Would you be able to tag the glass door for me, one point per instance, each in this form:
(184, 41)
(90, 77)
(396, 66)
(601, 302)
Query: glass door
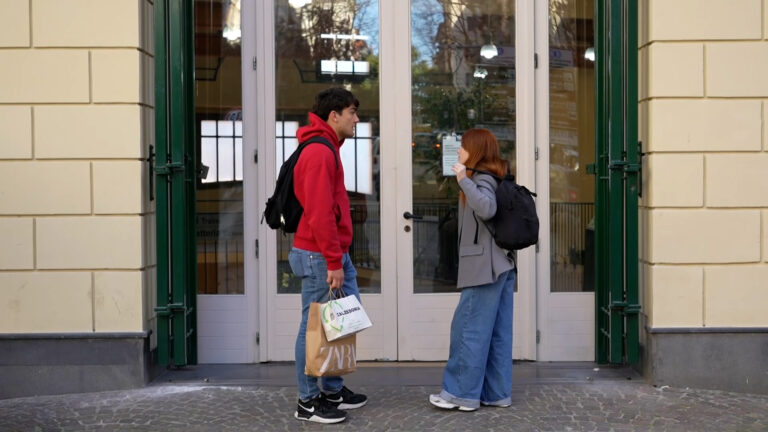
(567, 122)
(225, 305)
(463, 75)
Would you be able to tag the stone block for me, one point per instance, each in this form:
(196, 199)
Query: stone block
(704, 125)
(88, 132)
(86, 23)
(117, 75)
(704, 236)
(100, 242)
(676, 296)
(118, 301)
(737, 69)
(675, 180)
(117, 187)
(45, 187)
(705, 19)
(15, 132)
(736, 296)
(737, 180)
(16, 243)
(14, 23)
(676, 70)
(44, 76)
(46, 302)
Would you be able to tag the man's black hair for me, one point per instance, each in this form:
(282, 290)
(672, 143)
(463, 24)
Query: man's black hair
(333, 99)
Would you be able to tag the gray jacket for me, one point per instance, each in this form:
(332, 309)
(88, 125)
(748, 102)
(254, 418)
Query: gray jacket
(481, 261)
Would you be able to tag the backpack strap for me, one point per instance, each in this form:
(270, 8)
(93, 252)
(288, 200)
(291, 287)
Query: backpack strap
(321, 140)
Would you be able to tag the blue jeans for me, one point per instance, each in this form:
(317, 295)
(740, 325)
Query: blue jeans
(479, 367)
(313, 271)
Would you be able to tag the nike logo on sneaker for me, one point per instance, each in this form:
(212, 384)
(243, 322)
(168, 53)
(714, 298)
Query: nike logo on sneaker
(307, 409)
(334, 400)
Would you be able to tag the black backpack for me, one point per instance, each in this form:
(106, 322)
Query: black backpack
(515, 225)
(283, 209)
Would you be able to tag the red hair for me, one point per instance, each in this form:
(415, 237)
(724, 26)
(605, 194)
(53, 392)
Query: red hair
(484, 153)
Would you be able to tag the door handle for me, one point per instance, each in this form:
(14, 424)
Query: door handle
(409, 215)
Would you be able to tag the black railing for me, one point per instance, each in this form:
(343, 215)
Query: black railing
(572, 265)
(435, 247)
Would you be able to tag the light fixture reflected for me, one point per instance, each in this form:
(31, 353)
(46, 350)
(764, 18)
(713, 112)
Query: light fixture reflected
(298, 4)
(232, 34)
(231, 31)
(589, 54)
(480, 73)
(489, 51)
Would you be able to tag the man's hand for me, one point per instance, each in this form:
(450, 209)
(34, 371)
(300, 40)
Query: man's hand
(335, 278)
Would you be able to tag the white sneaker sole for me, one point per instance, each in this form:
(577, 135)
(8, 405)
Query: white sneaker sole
(444, 404)
(316, 419)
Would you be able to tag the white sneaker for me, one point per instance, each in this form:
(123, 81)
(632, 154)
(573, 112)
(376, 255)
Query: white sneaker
(439, 402)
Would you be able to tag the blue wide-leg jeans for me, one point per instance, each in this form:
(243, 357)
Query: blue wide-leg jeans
(479, 367)
(313, 271)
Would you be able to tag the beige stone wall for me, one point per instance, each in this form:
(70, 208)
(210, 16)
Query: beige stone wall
(76, 224)
(704, 113)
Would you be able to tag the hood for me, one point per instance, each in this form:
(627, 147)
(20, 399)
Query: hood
(318, 126)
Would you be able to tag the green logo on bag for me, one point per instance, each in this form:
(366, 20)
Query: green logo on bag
(328, 312)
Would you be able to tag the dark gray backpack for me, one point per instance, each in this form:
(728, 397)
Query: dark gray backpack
(515, 225)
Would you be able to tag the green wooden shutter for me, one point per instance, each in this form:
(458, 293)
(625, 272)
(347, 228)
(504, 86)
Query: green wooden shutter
(617, 169)
(175, 182)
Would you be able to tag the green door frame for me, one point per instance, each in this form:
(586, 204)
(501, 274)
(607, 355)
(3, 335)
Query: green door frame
(617, 168)
(174, 172)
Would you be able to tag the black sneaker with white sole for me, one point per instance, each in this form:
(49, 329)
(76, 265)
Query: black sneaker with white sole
(347, 399)
(319, 410)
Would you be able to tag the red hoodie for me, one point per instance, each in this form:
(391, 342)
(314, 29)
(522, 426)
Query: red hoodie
(326, 225)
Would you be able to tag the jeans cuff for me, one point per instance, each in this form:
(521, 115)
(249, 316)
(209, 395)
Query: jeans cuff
(501, 402)
(469, 403)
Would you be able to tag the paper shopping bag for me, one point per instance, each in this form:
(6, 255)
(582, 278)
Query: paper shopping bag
(343, 316)
(324, 358)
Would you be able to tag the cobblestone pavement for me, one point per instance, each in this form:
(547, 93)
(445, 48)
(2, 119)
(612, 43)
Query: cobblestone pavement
(590, 406)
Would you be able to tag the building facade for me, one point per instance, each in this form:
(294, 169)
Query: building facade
(139, 141)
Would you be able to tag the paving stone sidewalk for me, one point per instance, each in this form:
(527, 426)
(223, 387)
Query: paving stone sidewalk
(538, 405)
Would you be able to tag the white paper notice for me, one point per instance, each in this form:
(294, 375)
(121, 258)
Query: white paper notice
(450, 147)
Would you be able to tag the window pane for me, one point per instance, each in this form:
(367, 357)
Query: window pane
(322, 44)
(571, 145)
(219, 200)
(463, 73)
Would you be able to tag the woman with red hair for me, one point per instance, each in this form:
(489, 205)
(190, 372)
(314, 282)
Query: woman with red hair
(479, 368)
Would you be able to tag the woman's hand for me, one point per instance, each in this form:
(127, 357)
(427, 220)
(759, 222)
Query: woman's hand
(461, 171)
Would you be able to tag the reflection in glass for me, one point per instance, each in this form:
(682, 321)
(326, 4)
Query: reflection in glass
(321, 44)
(218, 115)
(572, 145)
(463, 73)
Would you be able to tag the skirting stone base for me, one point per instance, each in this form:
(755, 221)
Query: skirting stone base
(730, 359)
(49, 364)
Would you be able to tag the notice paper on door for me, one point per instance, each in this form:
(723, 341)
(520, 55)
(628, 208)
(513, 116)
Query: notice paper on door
(450, 147)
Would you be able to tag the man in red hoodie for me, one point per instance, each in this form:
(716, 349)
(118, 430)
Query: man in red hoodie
(320, 247)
